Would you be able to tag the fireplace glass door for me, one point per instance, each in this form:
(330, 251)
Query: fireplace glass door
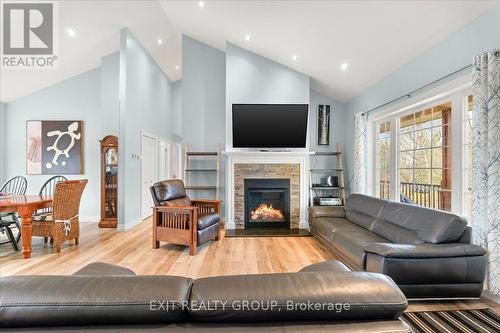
(267, 203)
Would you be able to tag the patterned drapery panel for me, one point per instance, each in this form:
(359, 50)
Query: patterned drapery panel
(486, 162)
(358, 179)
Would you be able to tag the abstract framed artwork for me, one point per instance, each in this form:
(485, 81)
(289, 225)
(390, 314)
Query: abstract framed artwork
(323, 125)
(54, 147)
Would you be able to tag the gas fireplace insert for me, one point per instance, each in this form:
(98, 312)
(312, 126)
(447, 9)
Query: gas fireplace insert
(267, 203)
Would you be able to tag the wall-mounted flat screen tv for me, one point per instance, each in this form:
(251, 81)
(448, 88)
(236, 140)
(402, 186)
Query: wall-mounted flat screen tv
(270, 125)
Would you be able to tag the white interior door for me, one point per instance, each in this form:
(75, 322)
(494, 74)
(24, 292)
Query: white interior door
(164, 157)
(148, 173)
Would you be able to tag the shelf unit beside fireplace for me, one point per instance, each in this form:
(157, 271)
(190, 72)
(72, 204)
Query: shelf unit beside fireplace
(336, 170)
(212, 157)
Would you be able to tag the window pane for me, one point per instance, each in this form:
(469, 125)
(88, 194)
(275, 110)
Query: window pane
(406, 175)
(406, 159)
(424, 156)
(423, 119)
(437, 157)
(407, 141)
(423, 138)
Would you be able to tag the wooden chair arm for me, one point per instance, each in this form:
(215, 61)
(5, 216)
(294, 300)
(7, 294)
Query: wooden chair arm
(207, 206)
(175, 209)
(206, 201)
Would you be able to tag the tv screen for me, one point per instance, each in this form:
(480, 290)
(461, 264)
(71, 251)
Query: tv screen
(269, 125)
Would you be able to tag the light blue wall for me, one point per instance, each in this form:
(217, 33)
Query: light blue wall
(77, 98)
(109, 91)
(3, 110)
(203, 108)
(254, 79)
(455, 52)
(337, 115)
(203, 95)
(176, 125)
(146, 106)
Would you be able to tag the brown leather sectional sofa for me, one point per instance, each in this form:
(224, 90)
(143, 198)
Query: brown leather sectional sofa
(324, 297)
(426, 252)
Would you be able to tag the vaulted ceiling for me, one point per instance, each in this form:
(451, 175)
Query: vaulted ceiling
(373, 37)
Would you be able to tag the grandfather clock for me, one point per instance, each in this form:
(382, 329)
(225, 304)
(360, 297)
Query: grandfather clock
(109, 182)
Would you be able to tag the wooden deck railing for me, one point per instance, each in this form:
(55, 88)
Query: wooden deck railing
(426, 195)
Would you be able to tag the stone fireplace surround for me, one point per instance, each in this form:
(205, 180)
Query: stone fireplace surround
(260, 165)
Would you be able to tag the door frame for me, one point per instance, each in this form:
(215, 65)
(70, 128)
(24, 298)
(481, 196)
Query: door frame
(155, 138)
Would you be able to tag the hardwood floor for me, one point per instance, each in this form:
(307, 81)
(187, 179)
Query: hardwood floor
(133, 249)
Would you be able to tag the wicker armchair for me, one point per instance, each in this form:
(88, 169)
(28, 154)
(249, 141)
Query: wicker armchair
(179, 220)
(63, 224)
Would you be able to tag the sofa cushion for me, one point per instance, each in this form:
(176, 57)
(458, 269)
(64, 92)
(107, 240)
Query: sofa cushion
(396, 233)
(352, 242)
(364, 210)
(322, 227)
(55, 300)
(282, 296)
(102, 268)
(169, 190)
(326, 266)
(207, 234)
(177, 202)
(432, 226)
(326, 211)
(207, 220)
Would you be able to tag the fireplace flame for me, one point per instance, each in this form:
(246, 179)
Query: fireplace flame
(266, 212)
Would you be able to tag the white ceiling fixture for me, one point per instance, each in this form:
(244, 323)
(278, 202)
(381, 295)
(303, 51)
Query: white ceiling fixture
(177, 67)
(344, 66)
(159, 41)
(294, 57)
(71, 32)
(247, 37)
(377, 36)
(201, 4)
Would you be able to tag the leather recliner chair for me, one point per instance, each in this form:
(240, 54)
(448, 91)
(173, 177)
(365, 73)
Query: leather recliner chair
(180, 220)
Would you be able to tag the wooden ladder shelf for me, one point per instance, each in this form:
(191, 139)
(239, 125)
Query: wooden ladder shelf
(189, 169)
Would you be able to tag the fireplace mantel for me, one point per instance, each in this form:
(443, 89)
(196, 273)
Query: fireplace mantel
(235, 157)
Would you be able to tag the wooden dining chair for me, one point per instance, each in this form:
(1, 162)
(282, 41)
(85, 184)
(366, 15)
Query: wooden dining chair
(64, 223)
(47, 189)
(15, 186)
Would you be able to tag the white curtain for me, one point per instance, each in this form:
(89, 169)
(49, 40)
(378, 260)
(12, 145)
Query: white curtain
(486, 163)
(359, 177)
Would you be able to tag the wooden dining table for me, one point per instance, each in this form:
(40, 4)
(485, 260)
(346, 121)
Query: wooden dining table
(25, 205)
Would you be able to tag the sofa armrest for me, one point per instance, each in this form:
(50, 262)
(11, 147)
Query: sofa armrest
(326, 211)
(423, 251)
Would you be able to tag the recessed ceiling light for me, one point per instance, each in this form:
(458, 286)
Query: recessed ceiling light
(247, 37)
(294, 57)
(176, 67)
(71, 32)
(344, 66)
(201, 4)
(159, 41)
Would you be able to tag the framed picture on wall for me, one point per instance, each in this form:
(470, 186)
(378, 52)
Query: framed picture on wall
(323, 125)
(54, 147)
